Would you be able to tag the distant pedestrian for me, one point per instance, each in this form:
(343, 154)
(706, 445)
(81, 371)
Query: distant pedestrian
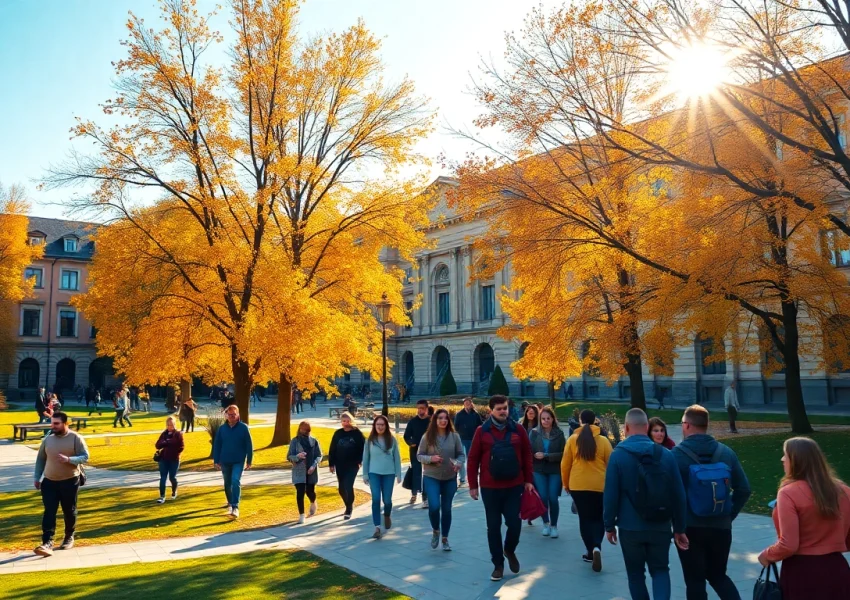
(643, 497)
(133, 393)
(660, 393)
(297, 401)
(381, 469)
(416, 428)
(513, 412)
(233, 453)
(467, 420)
(547, 450)
(121, 406)
(499, 469)
(568, 393)
(730, 401)
(344, 457)
(305, 454)
(41, 405)
(441, 453)
(312, 398)
(812, 521)
(58, 461)
(187, 415)
(658, 433)
(169, 448)
(95, 406)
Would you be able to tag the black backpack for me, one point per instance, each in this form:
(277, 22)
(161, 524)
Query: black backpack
(504, 464)
(654, 495)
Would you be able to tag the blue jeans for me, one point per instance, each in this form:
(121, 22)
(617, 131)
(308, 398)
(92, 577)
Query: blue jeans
(381, 486)
(466, 446)
(650, 549)
(232, 474)
(440, 493)
(168, 469)
(549, 487)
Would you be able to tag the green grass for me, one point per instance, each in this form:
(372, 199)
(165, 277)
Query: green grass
(96, 423)
(261, 574)
(134, 452)
(118, 515)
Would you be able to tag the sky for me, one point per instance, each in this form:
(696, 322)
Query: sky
(55, 65)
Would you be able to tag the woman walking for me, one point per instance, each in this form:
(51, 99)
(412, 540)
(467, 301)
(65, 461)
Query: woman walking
(344, 457)
(187, 415)
(812, 520)
(658, 433)
(547, 449)
(305, 454)
(530, 418)
(583, 473)
(381, 468)
(441, 455)
(169, 446)
(119, 403)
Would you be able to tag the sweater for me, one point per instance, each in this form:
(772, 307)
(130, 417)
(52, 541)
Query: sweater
(479, 456)
(467, 422)
(170, 445)
(233, 445)
(449, 447)
(47, 462)
(549, 464)
(414, 431)
(801, 530)
(299, 465)
(380, 461)
(346, 451)
(585, 476)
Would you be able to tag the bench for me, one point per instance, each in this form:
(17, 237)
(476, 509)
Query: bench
(367, 414)
(336, 412)
(20, 430)
(79, 422)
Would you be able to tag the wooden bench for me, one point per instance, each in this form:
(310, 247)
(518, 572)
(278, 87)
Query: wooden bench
(367, 414)
(336, 412)
(79, 422)
(20, 430)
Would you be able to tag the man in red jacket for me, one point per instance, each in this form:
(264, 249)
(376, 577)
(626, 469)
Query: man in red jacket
(502, 452)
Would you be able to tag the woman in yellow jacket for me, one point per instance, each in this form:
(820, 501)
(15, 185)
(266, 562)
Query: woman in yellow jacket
(583, 473)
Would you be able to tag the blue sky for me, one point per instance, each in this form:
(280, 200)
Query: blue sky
(55, 64)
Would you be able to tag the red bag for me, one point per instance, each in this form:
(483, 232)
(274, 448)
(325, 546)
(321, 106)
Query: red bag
(531, 506)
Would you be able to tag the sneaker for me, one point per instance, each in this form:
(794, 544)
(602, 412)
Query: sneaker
(413, 500)
(545, 530)
(553, 532)
(67, 543)
(229, 510)
(300, 519)
(46, 549)
(496, 575)
(530, 523)
(346, 517)
(424, 504)
(314, 506)
(513, 561)
(161, 500)
(377, 535)
(235, 513)
(174, 495)
(446, 547)
(597, 560)
(587, 558)
(388, 522)
(435, 540)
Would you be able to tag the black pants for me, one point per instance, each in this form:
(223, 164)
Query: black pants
(346, 476)
(590, 524)
(55, 494)
(499, 503)
(187, 423)
(705, 560)
(733, 415)
(300, 490)
(416, 469)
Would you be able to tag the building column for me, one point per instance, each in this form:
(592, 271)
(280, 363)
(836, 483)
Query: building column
(457, 290)
(499, 279)
(425, 290)
(465, 287)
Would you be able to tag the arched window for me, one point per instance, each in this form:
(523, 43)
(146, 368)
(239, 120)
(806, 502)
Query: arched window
(442, 290)
(485, 362)
(66, 374)
(28, 372)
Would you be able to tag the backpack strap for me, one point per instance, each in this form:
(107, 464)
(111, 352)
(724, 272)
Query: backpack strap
(656, 453)
(715, 458)
(689, 454)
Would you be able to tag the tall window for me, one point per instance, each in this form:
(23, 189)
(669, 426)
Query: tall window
(488, 302)
(67, 323)
(443, 307)
(837, 248)
(70, 280)
(35, 273)
(408, 310)
(93, 332)
(711, 353)
(70, 245)
(31, 321)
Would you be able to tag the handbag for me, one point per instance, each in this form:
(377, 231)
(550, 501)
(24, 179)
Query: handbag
(82, 476)
(408, 480)
(765, 589)
(531, 506)
(157, 456)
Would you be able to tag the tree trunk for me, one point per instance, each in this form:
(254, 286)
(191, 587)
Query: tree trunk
(282, 420)
(242, 382)
(186, 389)
(793, 382)
(635, 372)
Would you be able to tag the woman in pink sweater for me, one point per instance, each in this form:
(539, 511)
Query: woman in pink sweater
(812, 520)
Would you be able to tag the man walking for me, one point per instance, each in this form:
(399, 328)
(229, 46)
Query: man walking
(466, 422)
(40, 403)
(233, 452)
(643, 495)
(416, 428)
(730, 400)
(58, 462)
(499, 468)
(709, 522)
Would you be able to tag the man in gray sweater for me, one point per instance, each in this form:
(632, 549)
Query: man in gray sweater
(58, 462)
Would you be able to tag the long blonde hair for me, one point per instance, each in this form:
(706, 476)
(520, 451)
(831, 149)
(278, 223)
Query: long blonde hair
(808, 463)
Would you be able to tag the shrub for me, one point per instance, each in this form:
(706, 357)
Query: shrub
(448, 387)
(407, 413)
(498, 383)
(3, 404)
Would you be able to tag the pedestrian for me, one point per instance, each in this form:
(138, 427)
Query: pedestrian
(134, 399)
(233, 453)
(498, 469)
(547, 449)
(513, 413)
(658, 433)
(467, 420)
(95, 407)
(441, 454)
(119, 403)
(41, 405)
(730, 401)
(530, 418)
(59, 461)
(187, 415)
(643, 497)
(169, 447)
(344, 457)
(416, 428)
(660, 393)
(717, 489)
(569, 393)
(305, 454)
(89, 395)
(297, 401)
(812, 521)
(381, 468)
(312, 399)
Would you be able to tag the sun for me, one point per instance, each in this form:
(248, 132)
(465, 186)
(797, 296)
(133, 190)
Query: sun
(696, 71)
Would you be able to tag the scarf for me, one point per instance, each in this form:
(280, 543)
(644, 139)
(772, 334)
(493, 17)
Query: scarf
(306, 446)
(500, 426)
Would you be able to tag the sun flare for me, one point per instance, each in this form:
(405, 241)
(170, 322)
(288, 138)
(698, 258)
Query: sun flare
(697, 70)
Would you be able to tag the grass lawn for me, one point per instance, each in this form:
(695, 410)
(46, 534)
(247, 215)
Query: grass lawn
(134, 452)
(261, 574)
(118, 515)
(761, 454)
(96, 424)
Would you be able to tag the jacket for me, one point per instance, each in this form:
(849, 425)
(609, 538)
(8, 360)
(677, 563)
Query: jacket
(448, 447)
(299, 465)
(346, 451)
(233, 445)
(380, 461)
(730, 399)
(549, 464)
(415, 429)
(581, 475)
(703, 446)
(479, 456)
(621, 478)
(170, 445)
(467, 422)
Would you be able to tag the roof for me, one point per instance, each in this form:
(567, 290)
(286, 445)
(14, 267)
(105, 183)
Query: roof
(55, 230)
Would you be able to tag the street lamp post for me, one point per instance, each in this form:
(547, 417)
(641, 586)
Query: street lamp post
(384, 318)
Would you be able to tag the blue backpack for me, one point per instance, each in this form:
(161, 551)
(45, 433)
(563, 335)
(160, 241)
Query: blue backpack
(709, 489)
